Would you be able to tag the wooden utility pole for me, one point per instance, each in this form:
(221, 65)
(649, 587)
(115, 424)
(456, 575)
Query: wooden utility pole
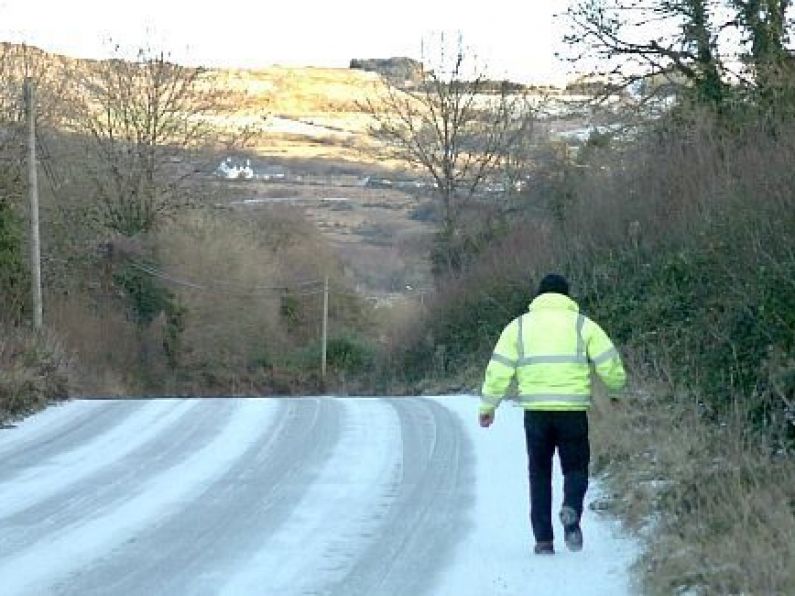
(325, 330)
(33, 192)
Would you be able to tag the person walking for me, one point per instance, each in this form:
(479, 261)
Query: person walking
(550, 351)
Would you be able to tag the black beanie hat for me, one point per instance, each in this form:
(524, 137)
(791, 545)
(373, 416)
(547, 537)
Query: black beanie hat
(553, 282)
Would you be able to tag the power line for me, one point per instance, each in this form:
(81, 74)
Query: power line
(297, 289)
(154, 272)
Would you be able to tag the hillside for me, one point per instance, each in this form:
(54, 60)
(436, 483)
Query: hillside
(314, 153)
(296, 91)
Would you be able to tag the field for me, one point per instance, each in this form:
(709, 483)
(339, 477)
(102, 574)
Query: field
(373, 229)
(313, 151)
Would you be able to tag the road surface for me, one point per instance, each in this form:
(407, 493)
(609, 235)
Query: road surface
(291, 497)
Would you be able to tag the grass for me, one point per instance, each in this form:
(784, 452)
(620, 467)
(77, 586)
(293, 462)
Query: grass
(714, 507)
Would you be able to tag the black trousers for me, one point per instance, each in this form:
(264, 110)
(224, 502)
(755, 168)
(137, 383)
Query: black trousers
(546, 431)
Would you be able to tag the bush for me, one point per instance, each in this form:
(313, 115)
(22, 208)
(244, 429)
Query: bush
(350, 360)
(146, 295)
(349, 355)
(14, 278)
(33, 373)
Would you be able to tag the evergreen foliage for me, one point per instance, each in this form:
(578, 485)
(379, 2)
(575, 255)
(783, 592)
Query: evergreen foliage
(14, 277)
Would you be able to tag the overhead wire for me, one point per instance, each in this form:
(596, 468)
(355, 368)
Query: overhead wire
(302, 288)
(297, 289)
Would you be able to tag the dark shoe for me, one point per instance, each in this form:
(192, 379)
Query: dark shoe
(572, 534)
(544, 548)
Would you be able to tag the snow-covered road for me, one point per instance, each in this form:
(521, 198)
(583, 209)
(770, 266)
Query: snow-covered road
(290, 497)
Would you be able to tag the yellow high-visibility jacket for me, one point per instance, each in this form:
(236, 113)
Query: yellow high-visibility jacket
(550, 350)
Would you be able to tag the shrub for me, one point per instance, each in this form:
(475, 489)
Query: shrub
(33, 373)
(349, 355)
(14, 278)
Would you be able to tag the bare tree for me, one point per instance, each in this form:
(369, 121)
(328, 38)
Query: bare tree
(19, 62)
(697, 45)
(639, 40)
(143, 119)
(457, 127)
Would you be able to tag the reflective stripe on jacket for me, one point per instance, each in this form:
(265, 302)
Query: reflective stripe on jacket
(550, 350)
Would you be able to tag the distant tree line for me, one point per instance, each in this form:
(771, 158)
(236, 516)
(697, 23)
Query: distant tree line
(398, 71)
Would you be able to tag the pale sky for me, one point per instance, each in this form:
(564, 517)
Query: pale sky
(514, 38)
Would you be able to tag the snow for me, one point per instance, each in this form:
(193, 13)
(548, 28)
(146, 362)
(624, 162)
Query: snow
(323, 495)
(495, 558)
(37, 483)
(277, 124)
(269, 200)
(30, 571)
(351, 483)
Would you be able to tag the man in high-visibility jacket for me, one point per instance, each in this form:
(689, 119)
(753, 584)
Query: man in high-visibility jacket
(550, 350)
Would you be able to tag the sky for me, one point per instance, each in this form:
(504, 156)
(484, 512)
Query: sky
(515, 39)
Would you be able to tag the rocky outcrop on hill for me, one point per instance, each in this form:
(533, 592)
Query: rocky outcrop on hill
(398, 71)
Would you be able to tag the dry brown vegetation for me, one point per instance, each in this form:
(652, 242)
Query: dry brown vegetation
(235, 325)
(700, 458)
(206, 312)
(328, 99)
(34, 371)
(296, 91)
(711, 503)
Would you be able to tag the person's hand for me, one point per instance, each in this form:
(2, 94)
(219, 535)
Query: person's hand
(486, 419)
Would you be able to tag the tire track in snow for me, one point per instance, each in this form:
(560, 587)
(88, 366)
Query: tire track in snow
(339, 514)
(37, 570)
(195, 550)
(183, 432)
(429, 510)
(62, 428)
(296, 497)
(22, 487)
